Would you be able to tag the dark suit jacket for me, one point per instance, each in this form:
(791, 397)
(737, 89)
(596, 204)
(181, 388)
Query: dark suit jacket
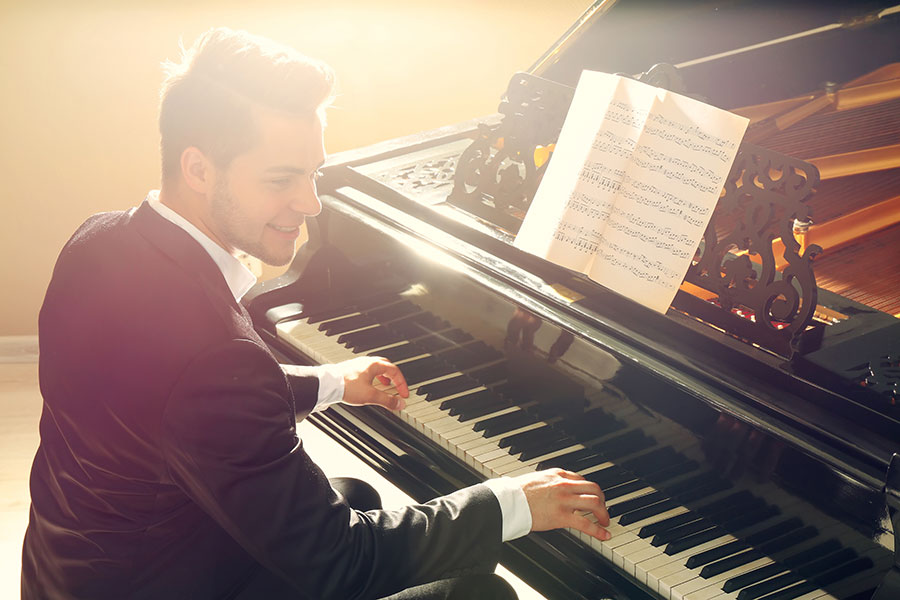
(169, 464)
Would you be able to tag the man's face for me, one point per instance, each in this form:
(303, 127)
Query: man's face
(261, 199)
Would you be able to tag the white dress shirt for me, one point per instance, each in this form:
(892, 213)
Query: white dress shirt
(513, 504)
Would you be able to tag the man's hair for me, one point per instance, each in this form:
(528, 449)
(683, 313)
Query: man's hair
(207, 99)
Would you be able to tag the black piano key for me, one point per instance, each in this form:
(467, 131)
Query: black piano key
(474, 412)
(532, 434)
(810, 554)
(714, 554)
(423, 369)
(648, 511)
(620, 490)
(731, 562)
(446, 387)
(369, 339)
(694, 540)
(345, 324)
(826, 563)
(610, 477)
(547, 448)
(782, 581)
(676, 470)
(472, 398)
(476, 407)
(666, 524)
(775, 531)
(402, 352)
(635, 503)
(682, 531)
(825, 548)
(329, 312)
(796, 536)
(831, 577)
(502, 423)
(786, 541)
(767, 587)
(754, 576)
(577, 460)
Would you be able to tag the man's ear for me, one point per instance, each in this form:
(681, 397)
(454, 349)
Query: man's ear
(198, 170)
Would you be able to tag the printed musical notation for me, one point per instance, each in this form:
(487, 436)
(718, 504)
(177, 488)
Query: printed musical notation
(641, 170)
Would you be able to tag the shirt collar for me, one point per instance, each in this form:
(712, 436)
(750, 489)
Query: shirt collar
(238, 277)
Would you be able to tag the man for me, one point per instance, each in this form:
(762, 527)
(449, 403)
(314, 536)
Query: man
(169, 464)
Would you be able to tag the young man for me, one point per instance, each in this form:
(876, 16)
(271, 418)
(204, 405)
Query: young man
(169, 464)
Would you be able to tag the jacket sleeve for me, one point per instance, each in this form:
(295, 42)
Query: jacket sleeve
(230, 443)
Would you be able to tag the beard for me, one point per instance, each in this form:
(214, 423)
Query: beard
(238, 229)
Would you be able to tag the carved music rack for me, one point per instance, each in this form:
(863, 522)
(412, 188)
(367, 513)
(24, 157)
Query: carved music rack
(763, 202)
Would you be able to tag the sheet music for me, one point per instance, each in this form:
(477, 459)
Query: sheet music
(639, 185)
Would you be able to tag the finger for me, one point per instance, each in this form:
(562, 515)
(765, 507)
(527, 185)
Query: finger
(588, 503)
(587, 525)
(583, 487)
(392, 372)
(569, 475)
(390, 401)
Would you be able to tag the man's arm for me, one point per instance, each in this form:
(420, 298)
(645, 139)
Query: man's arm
(230, 443)
(533, 502)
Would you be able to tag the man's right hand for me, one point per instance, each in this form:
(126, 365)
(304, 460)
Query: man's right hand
(559, 498)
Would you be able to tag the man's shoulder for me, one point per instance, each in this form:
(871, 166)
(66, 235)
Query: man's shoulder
(116, 272)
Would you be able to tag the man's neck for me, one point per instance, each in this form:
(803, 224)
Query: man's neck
(185, 203)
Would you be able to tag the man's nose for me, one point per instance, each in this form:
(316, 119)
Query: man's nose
(306, 201)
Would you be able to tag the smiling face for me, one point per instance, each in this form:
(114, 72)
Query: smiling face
(260, 200)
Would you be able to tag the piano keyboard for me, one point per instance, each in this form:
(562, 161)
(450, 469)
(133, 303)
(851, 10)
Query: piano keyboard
(678, 528)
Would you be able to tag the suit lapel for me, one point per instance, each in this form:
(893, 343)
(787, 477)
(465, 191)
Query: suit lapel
(188, 255)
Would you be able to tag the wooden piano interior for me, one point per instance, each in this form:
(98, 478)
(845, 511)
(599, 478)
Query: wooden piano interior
(852, 134)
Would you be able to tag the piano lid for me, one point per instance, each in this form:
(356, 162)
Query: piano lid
(733, 53)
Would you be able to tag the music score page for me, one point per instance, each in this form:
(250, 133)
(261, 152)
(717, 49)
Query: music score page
(631, 186)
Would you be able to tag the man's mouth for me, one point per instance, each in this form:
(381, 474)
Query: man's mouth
(282, 229)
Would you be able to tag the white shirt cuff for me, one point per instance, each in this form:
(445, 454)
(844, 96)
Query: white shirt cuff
(331, 387)
(331, 384)
(514, 508)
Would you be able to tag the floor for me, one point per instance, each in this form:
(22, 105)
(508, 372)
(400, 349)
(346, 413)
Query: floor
(20, 406)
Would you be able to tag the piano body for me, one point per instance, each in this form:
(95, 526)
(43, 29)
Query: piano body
(742, 456)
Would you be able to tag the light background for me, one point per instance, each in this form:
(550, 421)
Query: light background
(80, 85)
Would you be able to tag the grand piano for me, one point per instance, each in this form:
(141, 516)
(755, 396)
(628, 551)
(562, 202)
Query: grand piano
(746, 442)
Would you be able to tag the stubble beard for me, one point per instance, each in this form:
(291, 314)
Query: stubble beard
(227, 215)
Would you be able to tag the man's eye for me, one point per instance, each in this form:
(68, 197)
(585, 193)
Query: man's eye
(280, 184)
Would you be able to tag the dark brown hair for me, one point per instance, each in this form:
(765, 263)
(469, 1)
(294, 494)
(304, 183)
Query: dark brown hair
(206, 100)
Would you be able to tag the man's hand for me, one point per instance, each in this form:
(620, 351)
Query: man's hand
(559, 498)
(373, 380)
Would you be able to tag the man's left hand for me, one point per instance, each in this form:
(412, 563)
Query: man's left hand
(373, 380)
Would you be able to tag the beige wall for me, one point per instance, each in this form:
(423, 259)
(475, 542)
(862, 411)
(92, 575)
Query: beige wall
(80, 81)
